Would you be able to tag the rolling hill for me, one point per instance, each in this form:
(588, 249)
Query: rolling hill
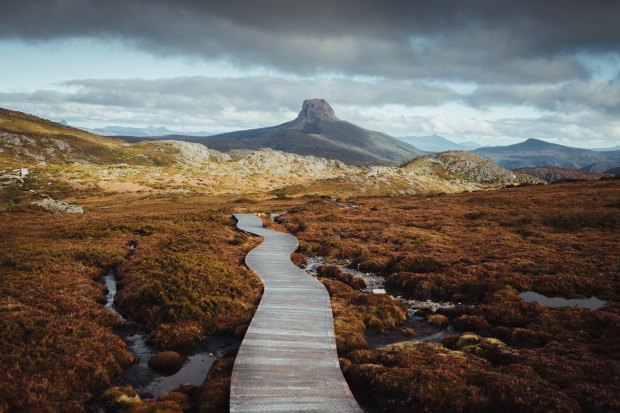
(535, 152)
(27, 140)
(318, 132)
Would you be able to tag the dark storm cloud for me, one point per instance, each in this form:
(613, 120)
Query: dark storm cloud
(485, 41)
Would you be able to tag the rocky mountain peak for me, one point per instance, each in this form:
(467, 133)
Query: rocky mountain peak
(316, 109)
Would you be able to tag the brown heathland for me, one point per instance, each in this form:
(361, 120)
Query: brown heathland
(482, 249)
(185, 281)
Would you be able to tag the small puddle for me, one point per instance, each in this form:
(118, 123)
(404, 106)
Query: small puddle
(591, 303)
(148, 382)
(422, 331)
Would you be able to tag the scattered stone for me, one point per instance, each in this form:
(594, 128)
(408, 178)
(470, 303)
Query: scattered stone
(166, 362)
(56, 206)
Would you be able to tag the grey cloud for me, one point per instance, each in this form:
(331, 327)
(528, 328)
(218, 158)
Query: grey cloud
(263, 93)
(228, 102)
(486, 41)
(203, 103)
(574, 96)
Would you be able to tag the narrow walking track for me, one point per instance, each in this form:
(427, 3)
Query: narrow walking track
(288, 360)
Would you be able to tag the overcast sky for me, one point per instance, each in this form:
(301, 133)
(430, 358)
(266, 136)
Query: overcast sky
(494, 71)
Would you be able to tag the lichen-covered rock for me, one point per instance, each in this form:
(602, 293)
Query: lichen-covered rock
(57, 206)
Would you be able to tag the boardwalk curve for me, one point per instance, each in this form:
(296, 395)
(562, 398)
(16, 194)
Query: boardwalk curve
(287, 361)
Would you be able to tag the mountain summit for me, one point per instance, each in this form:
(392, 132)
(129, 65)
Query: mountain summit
(316, 109)
(317, 131)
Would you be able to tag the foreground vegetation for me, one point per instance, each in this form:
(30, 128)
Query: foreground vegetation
(480, 249)
(185, 281)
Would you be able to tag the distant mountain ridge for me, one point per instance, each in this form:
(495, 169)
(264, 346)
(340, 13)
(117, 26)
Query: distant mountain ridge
(317, 131)
(150, 131)
(436, 143)
(535, 152)
(556, 173)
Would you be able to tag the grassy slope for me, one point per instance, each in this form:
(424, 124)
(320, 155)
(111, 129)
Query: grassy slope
(18, 122)
(84, 146)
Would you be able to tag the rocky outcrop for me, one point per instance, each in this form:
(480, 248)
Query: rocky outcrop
(276, 162)
(465, 167)
(474, 168)
(56, 206)
(313, 110)
(188, 153)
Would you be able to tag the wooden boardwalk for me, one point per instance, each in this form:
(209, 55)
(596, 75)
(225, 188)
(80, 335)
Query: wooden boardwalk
(287, 361)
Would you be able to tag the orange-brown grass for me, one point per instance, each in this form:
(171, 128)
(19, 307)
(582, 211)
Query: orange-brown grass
(483, 248)
(356, 312)
(185, 280)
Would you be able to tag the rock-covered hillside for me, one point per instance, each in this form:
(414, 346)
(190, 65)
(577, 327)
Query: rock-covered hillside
(80, 161)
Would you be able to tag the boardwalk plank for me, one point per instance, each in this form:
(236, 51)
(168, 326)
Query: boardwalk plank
(288, 360)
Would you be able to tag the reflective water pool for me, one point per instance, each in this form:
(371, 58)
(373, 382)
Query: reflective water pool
(591, 303)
